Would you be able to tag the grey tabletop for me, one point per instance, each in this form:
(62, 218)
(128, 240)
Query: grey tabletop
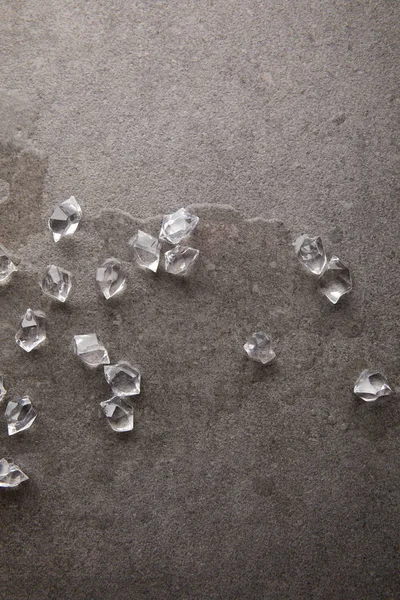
(239, 481)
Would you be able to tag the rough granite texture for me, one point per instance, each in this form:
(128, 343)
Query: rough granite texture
(239, 482)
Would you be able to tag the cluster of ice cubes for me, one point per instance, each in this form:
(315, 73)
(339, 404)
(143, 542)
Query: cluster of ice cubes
(178, 259)
(123, 378)
(334, 281)
(334, 278)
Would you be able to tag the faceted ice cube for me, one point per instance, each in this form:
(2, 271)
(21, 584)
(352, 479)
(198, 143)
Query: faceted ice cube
(20, 415)
(91, 350)
(65, 218)
(7, 266)
(371, 385)
(32, 330)
(311, 253)
(57, 283)
(177, 226)
(123, 378)
(119, 414)
(146, 249)
(110, 277)
(10, 475)
(259, 347)
(180, 260)
(335, 280)
(3, 390)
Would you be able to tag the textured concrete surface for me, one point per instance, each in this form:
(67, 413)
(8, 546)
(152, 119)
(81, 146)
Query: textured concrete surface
(238, 482)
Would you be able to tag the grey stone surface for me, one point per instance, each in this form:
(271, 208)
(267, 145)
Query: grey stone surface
(239, 481)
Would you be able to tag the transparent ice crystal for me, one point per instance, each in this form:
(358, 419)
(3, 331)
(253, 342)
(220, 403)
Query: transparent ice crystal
(371, 385)
(311, 253)
(180, 260)
(10, 475)
(110, 277)
(119, 414)
(91, 350)
(146, 249)
(259, 347)
(7, 266)
(65, 218)
(20, 415)
(335, 280)
(123, 379)
(3, 390)
(32, 330)
(57, 283)
(177, 226)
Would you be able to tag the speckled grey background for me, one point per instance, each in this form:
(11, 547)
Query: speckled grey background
(238, 482)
